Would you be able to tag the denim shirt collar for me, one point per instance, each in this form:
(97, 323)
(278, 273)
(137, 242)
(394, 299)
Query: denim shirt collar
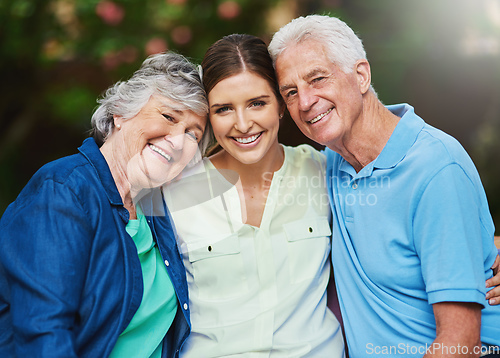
(90, 150)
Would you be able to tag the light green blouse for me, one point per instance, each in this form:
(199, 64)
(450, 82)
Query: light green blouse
(144, 335)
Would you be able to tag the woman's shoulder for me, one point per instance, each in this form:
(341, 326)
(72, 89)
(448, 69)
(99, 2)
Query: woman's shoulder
(72, 171)
(62, 168)
(64, 175)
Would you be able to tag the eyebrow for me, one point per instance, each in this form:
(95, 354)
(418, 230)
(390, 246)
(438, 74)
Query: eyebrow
(264, 96)
(285, 87)
(196, 125)
(202, 130)
(314, 72)
(176, 110)
(219, 105)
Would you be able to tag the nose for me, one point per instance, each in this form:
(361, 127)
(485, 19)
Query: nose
(306, 99)
(242, 124)
(176, 140)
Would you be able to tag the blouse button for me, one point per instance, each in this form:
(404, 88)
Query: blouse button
(210, 248)
(185, 306)
(167, 263)
(355, 186)
(310, 229)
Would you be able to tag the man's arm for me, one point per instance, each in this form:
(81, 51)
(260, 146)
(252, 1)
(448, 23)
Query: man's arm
(451, 225)
(458, 327)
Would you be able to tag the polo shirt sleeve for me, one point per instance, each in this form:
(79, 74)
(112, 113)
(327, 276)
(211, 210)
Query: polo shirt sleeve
(447, 237)
(44, 241)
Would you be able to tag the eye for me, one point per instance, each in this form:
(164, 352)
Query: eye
(258, 104)
(290, 93)
(221, 110)
(318, 79)
(169, 118)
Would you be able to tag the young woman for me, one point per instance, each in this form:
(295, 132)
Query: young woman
(253, 222)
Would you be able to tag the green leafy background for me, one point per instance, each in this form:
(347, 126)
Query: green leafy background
(57, 57)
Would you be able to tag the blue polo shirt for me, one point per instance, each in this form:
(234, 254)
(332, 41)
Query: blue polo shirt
(411, 229)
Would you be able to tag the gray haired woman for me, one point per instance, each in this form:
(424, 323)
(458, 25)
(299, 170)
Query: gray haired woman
(89, 266)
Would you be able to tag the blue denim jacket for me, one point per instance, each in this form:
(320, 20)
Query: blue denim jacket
(70, 276)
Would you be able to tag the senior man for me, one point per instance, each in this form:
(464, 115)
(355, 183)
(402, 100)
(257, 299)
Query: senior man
(412, 232)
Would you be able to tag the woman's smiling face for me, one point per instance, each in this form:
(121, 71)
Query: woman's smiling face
(159, 141)
(244, 113)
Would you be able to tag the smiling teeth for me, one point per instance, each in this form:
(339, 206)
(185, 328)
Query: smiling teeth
(161, 152)
(247, 139)
(317, 118)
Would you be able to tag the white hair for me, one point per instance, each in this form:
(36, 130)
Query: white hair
(167, 74)
(344, 47)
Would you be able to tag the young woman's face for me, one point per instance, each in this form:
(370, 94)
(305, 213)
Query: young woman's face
(244, 113)
(159, 141)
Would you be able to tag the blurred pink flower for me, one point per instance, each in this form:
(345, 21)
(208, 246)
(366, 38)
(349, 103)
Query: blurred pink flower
(110, 12)
(228, 10)
(181, 35)
(113, 59)
(155, 45)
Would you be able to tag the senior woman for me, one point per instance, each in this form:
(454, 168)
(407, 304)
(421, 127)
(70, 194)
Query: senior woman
(89, 265)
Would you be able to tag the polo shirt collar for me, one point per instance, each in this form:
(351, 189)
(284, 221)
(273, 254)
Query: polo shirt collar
(91, 151)
(402, 138)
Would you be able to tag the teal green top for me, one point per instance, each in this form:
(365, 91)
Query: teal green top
(144, 335)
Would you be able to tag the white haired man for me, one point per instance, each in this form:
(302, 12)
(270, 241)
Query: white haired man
(412, 232)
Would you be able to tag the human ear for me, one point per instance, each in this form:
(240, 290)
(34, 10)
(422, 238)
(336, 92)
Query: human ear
(364, 76)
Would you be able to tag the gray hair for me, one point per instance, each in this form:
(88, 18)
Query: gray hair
(344, 47)
(167, 74)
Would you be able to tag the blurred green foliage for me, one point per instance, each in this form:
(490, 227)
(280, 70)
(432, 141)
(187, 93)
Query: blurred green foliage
(58, 56)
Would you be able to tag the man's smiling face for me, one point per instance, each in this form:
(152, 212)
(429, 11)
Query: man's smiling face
(323, 100)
